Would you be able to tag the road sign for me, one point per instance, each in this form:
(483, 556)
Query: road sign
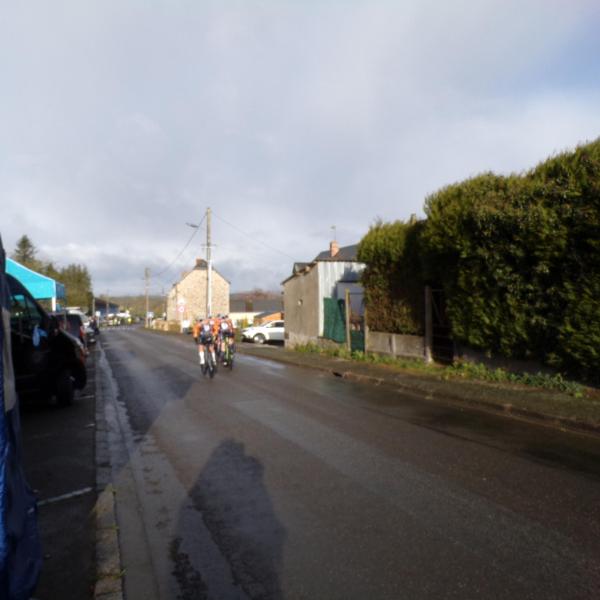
(180, 308)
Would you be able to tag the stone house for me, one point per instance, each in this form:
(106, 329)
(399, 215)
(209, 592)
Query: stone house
(328, 275)
(186, 300)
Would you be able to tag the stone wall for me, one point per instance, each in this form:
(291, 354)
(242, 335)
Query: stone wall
(393, 344)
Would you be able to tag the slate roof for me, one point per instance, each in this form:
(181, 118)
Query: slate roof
(345, 254)
(201, 265)
(299, 266)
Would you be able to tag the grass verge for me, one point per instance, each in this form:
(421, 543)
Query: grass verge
(459, 370)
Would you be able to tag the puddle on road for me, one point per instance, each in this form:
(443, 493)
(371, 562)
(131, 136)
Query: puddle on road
(264, 364)
(551, 446)
(559, 448)
(566, 457)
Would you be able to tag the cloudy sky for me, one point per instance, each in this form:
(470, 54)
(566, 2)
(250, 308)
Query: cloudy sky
(121, 120)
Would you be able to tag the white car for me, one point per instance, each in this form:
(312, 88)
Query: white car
(269, 332)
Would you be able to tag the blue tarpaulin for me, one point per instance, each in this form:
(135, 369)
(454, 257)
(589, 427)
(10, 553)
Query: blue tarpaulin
(39, 286)
(20, 552)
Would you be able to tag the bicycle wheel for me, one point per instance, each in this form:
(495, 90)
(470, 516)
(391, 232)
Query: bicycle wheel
(206, 365)
(212, 365)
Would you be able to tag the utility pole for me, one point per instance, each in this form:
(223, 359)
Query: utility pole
(347, 317)
(208, 265)
(147, 285)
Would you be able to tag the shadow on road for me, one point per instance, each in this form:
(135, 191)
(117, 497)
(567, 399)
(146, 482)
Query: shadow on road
(231, 496)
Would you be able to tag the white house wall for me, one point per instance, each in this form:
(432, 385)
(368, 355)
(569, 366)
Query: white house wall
(330, 274)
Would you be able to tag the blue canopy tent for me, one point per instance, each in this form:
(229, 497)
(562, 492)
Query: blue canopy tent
(40, 286)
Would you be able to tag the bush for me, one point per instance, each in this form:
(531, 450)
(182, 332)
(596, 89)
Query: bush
(519, 260)
(517, 256)
(392, 278)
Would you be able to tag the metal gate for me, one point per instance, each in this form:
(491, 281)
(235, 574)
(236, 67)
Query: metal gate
(442, 342)
(334, 326)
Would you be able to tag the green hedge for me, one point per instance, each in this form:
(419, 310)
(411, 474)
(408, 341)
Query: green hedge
(392, 278)
(517, 256)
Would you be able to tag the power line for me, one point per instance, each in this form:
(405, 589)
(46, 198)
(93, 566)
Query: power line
(253, 238)
(196, 229)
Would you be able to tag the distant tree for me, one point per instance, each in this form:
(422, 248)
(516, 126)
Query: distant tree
(25, 253)
(78, 285)
(50, 270)
(75, 277)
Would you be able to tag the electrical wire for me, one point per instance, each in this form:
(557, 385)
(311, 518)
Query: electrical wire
(196, 230)
(253, 238)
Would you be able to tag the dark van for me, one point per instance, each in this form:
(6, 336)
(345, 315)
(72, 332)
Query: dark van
(47, 361)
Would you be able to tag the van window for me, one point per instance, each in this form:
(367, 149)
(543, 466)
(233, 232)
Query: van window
(24, 314)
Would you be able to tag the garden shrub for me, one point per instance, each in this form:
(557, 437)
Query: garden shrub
(517, 256)
(392, 278)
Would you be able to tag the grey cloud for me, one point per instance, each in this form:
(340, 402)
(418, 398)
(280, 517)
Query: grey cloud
(121, 122)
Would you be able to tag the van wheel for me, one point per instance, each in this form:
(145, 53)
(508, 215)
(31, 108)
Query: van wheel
(65, 391)
(259, 338)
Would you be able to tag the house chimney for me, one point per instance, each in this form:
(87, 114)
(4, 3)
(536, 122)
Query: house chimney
(333, 248)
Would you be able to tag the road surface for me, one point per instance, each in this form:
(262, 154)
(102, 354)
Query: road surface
(276, 482)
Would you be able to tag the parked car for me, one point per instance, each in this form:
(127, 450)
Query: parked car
(269, 332)
(48, 361)
(76, 327)
(72, 324)
(86, 322)
(90, 333)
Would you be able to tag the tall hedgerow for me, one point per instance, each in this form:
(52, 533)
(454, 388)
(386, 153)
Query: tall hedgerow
(393, 277)
(572, 188)
(518, 258)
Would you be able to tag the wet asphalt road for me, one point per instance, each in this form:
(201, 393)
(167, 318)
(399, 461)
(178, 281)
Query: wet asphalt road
(278, 482)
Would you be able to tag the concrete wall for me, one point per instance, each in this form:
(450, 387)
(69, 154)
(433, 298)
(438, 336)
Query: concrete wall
(393, 344)
(301, 308)
(498, 362)
(192, 289)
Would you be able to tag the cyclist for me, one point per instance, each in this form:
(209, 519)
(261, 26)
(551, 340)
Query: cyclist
(205, 338)
(226, 335)
(196, 329)
(215, 323)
